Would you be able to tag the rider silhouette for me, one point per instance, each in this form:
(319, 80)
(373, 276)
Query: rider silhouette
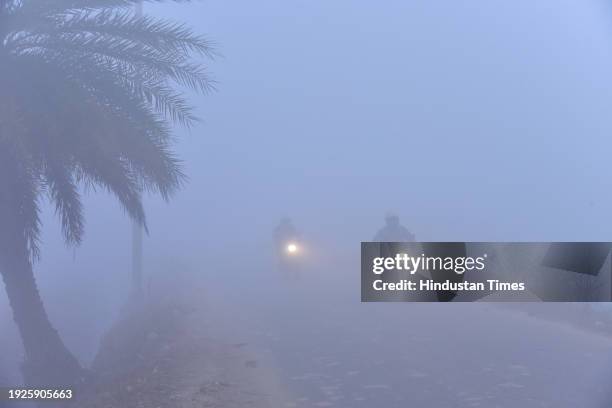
(286, 240)
(393, 231)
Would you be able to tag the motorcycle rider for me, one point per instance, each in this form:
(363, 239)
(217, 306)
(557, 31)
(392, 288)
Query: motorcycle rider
(394, 238)
(393, 231)
(286, 241)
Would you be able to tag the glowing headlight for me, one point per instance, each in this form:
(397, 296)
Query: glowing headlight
(292, 248)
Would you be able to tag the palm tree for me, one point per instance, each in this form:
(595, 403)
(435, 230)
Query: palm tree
(89, 92)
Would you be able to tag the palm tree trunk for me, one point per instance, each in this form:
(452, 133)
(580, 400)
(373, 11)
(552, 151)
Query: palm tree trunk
(136, 292)
(47, 360)
(136, 261)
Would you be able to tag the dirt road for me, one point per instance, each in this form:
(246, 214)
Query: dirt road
(332, 351)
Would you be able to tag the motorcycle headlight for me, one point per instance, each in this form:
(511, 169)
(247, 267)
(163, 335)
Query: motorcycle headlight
(292, 248)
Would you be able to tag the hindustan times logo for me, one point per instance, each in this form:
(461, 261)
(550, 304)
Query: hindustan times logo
(413, 264)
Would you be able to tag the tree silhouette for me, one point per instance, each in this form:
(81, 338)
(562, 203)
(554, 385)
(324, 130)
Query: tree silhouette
(89, 94)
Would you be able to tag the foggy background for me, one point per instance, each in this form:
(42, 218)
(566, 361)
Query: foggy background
(474, 120)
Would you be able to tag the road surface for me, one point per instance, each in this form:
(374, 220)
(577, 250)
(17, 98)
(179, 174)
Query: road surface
(330, 350)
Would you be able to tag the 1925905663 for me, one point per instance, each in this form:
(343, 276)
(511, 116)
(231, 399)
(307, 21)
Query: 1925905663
(36, 394)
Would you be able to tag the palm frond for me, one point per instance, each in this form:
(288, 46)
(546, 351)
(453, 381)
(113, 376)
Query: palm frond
(96, 169)
(98, 89)
(113, 121)
(19, 207)
(50, 7)
(63, 191)
(159, 34)
(120, 54)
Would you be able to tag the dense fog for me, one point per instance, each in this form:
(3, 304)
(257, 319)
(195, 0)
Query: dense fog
(473, 121)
